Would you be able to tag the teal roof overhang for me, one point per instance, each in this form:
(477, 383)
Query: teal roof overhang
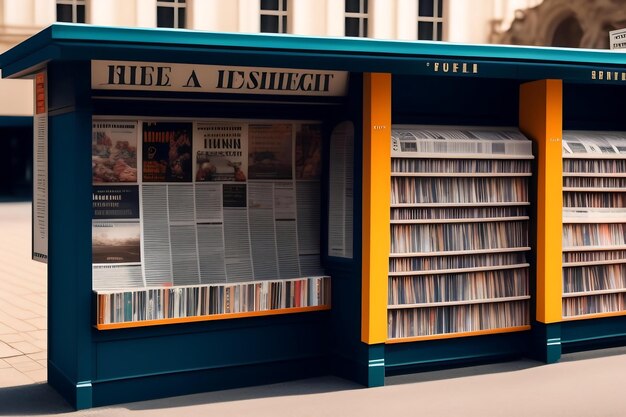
(67, 42)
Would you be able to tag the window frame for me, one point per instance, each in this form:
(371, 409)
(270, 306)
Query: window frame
(176, 5)
(74, 4)
(435, 19)
(362, 15)
(281, 13)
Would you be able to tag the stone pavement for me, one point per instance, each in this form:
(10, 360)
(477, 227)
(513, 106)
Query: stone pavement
(22, 301)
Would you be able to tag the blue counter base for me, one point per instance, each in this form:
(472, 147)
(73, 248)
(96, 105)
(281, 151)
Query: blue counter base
(367, 367)
(438, 354)
(78, 395)
(99, 393)
(590, 334)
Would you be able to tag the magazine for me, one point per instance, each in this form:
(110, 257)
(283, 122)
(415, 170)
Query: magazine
(167, 152)
(114, 152)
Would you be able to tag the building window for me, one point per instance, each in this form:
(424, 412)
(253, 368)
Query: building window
(430, 20)
(356, 18)
(171, 14)
(274, 16)
(71, 11)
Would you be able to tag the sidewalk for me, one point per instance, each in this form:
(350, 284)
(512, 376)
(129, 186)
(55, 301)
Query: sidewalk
(581, 385)
(22, 301)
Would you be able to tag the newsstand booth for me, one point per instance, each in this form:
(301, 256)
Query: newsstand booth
(221, 210)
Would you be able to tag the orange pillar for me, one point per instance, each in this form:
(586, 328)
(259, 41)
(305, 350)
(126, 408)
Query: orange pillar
(376, 205)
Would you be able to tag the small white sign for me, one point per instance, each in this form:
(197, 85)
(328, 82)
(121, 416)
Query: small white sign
(152, 76)
(617, 39)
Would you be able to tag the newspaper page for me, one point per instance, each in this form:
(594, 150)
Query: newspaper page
(340, 211)
(116, 237)
(308, 156)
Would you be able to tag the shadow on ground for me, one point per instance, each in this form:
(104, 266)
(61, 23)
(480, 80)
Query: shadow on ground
(436, 375)
(300, 387)
(31, 400)
(593, 354)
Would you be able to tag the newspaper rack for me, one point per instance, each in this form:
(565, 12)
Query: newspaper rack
(194, 189)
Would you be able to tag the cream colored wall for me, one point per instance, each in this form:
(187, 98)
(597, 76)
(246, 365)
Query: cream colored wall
(249, 21)
(144, 19)
(113, 12)
(393, 19)
(468, 21)
(16, 97)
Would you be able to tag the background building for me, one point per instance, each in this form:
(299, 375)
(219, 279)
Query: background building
(575, 23)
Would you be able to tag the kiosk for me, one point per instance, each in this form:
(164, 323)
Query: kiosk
(219, 210)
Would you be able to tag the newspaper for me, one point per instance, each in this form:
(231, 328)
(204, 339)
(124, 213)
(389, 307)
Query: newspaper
(212, 202)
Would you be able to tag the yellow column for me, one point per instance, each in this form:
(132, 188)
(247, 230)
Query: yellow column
(540, 118)
(376, 205)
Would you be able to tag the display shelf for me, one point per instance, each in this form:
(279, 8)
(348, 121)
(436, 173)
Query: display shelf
(594, 156)
(594, 174)
(458, 270)
(590, 263)
(593, 292)
(458, 303)
(460, 174)
(159, 305)
(594, 316)
(595, 189)
(459, 252)
(458, 334)
(593, 163)
(466, 156)
(495, 204)
(591, 220)
(592, 248)
(160, 322)
(474, 220)
(448, 186)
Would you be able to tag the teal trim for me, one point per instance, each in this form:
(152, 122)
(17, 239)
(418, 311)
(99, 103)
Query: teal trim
(158, 43)
(545, 343)
(170, 37)
(84, 397)
(376, 366)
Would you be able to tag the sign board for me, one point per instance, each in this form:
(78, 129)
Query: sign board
(40, 171)
(151, 76)
(617, 39)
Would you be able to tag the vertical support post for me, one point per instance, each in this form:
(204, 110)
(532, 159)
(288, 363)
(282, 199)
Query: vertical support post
(376, 202)
(541, 118)
(70, 307)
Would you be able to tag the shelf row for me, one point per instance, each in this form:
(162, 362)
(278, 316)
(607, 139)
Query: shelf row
(459, 232)
(192, 302)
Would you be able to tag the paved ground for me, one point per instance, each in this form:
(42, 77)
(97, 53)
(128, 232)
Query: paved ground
(585, 384)
(22, 301)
